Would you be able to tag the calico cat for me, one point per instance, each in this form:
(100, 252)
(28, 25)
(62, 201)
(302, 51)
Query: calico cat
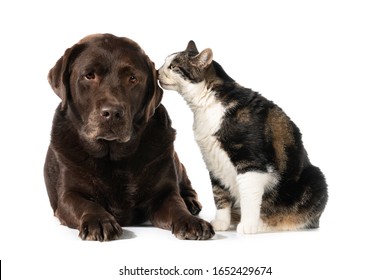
(259, 169)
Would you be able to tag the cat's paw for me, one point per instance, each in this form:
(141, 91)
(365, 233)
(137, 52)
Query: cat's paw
(248, 228)
(220, 225)
(251, 228)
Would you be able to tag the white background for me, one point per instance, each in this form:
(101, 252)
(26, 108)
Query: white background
(326, 63)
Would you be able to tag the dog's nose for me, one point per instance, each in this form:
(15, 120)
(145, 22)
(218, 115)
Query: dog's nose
(112, 112)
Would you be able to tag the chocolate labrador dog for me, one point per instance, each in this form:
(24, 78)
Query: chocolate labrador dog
(111, 161)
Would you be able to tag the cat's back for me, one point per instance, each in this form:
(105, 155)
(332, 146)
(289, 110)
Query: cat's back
(244, 107)
(231, 94)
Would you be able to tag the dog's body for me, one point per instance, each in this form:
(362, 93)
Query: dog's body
(111, 160)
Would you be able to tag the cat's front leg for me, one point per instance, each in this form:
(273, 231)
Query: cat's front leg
(222, 219)
(223, 202)
(251, 186)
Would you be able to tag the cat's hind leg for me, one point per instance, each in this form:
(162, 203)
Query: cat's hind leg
(299, 204)
(251, 186)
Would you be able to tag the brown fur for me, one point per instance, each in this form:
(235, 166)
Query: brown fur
(111, 161)
(278, 126)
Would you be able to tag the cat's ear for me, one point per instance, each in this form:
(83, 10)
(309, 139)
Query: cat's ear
(203, 59)
(191, 47)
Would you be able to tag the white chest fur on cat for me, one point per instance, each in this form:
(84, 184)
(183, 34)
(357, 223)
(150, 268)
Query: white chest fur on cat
(207, 121)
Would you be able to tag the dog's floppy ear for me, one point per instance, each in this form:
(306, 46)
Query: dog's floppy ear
(155, 93)
(59, 75)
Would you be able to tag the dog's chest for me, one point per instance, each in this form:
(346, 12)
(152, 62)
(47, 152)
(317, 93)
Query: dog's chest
(206, 123)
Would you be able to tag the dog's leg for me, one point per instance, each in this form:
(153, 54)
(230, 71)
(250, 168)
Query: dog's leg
(170, 212)
(174, 215)
(76, 209)
(188, 194)
(92, 220)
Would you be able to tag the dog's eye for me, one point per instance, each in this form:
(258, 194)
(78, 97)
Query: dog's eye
(89, 76)
(171, 67)
(133, 79)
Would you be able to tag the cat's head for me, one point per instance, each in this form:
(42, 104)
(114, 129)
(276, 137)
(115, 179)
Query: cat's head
(185, 71)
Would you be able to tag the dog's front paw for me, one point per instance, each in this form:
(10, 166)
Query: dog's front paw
(192, 228)
(101, 227)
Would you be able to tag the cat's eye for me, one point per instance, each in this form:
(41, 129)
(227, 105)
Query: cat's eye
(90, 76)
(171, 67)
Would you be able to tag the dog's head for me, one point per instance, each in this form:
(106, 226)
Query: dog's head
(108, 87)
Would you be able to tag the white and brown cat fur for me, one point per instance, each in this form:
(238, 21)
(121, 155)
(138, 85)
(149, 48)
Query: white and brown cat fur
(259, 169)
